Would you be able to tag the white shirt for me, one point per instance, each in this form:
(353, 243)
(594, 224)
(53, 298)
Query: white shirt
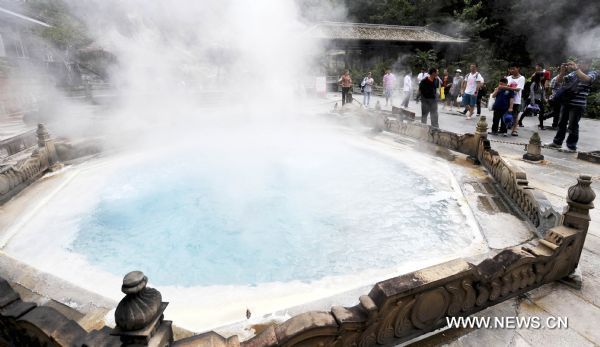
(472, 79)
(518, 82)
(422, 75)
(368, 84)
(407, 83)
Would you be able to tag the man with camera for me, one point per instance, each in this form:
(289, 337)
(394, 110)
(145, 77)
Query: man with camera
(572, 96)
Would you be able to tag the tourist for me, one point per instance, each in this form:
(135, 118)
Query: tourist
(389, 81)
(554, 105)
(576, 87)
(502, 104)
(546, 75)
(422, 75)
(346, 83)
(367, 85)
(516, 83)
(454, 88)
(480, 94)
(427, 89)
(535, 96)
(446, 82)
(470, 88)
(407, 88)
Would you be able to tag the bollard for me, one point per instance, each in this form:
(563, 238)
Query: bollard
(534, 148)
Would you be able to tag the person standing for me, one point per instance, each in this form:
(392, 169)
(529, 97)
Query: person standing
(576, 88)
(554, 105)
(422, 75)
(503, 104)
(427, 88)
(455, 87)
(470, 88)
(480, 94)
(346, 83)
(389, 81)
(446, 82)
(537, 96)
(407, 88)
(516, 83)
(367, 85)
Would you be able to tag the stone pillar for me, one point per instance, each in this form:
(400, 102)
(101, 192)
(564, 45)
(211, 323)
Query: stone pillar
(44, 142)
(576, 215)
(478, 141)
(139, 315)
(482, 127)
(534, 148)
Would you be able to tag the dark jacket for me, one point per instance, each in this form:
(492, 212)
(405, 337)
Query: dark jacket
(427, 88)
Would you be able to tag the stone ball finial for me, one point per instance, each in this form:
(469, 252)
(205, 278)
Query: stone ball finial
(482, 125)
(140, 305)
(581, 192)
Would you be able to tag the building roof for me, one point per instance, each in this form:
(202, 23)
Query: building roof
(378, 32)
(18, 16)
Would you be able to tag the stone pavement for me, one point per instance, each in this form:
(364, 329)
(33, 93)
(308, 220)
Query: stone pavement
(553, 176)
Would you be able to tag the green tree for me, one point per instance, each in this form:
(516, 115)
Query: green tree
(66, 30)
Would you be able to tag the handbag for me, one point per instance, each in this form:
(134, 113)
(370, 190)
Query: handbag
(490, 103)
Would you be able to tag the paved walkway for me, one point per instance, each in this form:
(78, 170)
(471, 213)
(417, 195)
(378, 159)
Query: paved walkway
(553, 176)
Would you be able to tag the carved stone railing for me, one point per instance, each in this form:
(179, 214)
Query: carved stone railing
(48, 155)
(395, 310)
(16, 144)
(14, 178)
(531, 202)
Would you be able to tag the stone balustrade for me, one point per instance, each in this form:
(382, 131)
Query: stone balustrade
(513, 182)
(48, 155)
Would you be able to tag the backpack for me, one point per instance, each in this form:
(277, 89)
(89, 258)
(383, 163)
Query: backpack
(508, 120)
(363, 84)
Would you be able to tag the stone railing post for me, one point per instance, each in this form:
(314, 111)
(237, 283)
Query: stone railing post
(477, 143)
(44, 142)
(580, 200)
(139, 315)
(534, 148)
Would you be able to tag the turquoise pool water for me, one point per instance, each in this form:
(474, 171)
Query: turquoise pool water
(205, 219)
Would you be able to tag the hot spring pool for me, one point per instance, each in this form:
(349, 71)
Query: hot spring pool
(214, 226)
(190, 224)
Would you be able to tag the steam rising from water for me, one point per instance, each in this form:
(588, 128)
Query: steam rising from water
(176, 57)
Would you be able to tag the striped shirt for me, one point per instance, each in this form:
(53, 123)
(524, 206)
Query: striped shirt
(583, 88)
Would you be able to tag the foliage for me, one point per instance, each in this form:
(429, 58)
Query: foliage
(66, 30)
(423, 59)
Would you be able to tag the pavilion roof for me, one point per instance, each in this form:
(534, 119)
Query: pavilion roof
(378, 32)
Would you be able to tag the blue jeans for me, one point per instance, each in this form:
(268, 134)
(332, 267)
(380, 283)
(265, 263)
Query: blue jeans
(569, 115)
(366, 98)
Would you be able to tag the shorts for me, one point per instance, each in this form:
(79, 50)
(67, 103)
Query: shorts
(469, 100)
(387, 93)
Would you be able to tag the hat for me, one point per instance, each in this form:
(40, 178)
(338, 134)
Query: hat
(458, 70)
